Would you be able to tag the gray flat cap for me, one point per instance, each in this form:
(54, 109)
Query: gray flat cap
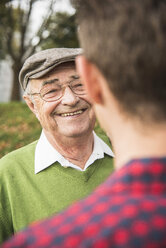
(44, 61)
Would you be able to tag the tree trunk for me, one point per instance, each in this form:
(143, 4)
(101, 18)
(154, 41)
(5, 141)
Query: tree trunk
(16, 91)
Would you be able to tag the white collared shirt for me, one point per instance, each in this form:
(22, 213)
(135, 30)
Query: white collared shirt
(46, 154)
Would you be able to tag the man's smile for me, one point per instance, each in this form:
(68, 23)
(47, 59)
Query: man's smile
(77, 112)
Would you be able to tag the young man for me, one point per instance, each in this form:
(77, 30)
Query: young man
(68, 161)
(124, 68)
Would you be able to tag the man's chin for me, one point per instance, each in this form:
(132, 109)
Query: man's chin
(75, 133)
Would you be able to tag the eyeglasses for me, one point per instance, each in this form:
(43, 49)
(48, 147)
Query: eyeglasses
(53, 91)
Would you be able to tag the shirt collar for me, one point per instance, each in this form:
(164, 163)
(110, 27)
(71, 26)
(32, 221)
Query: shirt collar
(46, 154)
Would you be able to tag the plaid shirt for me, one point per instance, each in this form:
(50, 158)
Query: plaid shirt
(128, 210)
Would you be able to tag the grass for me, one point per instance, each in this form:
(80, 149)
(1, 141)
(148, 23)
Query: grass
(19, 126)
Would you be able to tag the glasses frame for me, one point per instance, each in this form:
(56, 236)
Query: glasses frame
(63, 87)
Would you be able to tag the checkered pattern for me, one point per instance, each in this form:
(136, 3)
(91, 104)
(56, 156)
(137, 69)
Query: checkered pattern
(128, 210)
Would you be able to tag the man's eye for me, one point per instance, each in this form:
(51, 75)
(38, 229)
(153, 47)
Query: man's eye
(52, 91)
(77, 85)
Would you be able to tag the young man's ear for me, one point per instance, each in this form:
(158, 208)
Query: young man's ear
(91, 78)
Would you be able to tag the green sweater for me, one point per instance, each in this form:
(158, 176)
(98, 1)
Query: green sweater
(26, 197)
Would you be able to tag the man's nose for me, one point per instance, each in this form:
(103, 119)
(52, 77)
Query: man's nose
(69, 97)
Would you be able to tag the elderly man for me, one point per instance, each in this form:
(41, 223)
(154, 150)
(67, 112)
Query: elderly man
(124, 68)
(68, 161)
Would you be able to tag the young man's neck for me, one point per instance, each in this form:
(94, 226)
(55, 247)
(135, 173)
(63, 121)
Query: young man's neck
(130, 136)
(132, 143)
(77, 150)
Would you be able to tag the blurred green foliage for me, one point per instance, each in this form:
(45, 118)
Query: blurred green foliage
(18, 40)
(62, 31)
(19, 126)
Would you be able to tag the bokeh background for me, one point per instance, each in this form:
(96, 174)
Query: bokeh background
(28, 26)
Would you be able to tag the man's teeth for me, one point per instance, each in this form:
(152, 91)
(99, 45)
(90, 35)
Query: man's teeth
(70, 114)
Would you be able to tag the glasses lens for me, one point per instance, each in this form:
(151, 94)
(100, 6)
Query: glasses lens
(78, 87)
(51, 92)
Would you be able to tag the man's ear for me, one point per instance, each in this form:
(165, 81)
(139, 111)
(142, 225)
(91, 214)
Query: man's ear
(30, 104)
(91, 78)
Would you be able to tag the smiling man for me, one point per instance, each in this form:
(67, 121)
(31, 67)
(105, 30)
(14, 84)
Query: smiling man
(68, 161)
(124, 68)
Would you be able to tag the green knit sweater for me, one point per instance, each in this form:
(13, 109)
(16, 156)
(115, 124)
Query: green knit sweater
(26, 197)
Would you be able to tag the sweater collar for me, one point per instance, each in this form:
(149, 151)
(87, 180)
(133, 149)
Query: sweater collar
(46, 154)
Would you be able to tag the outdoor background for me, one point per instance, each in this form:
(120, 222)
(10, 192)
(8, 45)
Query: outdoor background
(18, 126)
(27, 26)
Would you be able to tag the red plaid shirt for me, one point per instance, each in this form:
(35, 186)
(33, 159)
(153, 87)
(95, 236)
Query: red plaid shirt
(128, 210)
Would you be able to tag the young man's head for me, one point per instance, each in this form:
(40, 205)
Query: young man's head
(126, 41)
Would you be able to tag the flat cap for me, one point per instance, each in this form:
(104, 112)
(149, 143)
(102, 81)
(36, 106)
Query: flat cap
(44, 61)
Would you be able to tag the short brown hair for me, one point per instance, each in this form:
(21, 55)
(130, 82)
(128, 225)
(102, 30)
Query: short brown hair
(126, 39)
